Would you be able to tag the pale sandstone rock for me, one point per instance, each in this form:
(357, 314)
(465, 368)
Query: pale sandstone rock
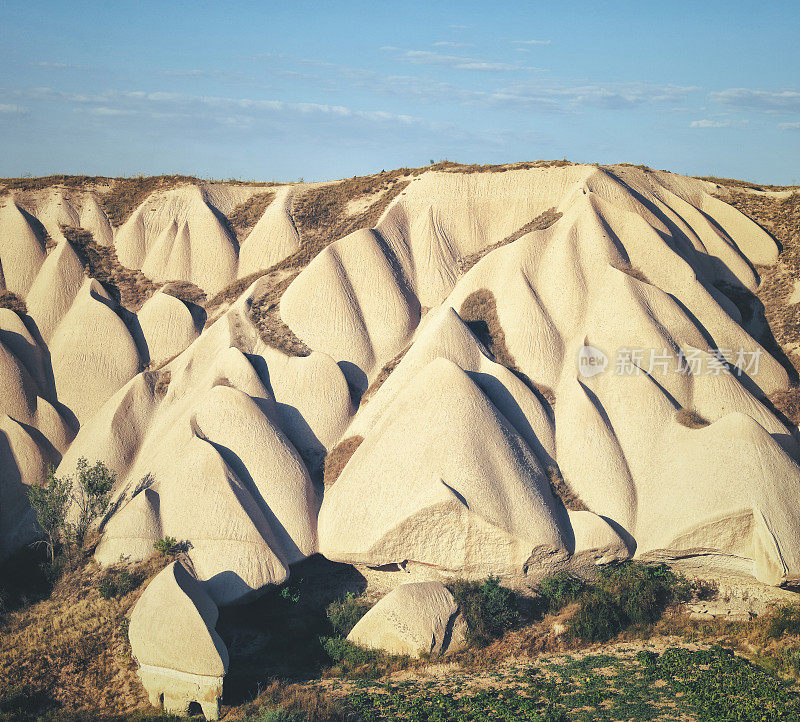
(415, 618)
(181, 658)
(724, 494)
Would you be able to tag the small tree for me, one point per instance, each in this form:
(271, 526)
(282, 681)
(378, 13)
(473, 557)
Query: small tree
(51, 502)
(91, 494)
(90, 490)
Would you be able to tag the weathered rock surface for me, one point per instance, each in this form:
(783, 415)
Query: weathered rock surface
(465, 314)
(416, 618)
(181, 658)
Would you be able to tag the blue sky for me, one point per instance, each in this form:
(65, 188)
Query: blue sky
(333, 89)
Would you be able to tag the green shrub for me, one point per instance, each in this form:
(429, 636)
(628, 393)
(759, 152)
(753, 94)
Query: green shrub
(89, 490)
(167, 545)
(626, 594)
(560, 590)
(784, 619)
(340, 650)
(344, 614)
(599, 618)
(118, 584)
(92, 491)
(51, 502)
(488, 608)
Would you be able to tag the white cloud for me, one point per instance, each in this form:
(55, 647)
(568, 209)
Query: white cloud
(710, 124)
(789, 126)
(103, 110)
(531, 42)
(8, 108)
(764, 100)
(60, 66)
(451, 44)
(163, 104)
(457, 62)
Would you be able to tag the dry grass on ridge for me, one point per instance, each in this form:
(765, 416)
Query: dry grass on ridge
(244, 217)
(73, 646)
(338, 457)
(384, 374)
(133, 287)
(10, 300)
(101, 262)
(479, 312)
(781, 218)
(691, 419)
(629, 270)
(542, 221)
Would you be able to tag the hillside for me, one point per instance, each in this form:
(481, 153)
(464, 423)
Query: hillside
(426, 374)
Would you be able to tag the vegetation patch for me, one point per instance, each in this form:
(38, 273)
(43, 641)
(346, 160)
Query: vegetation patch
(338, 457)
(691, 419)
(265, 313)
(162, 384)
(10, 300)
(320, 213)
(479, 313)
(185, 291)
(127, 194)
(169, 546)
(747, 185)
(631, 271)
(781, 218)
(488, 608)
(345, 613)
(563, 490)
(71, 649)
(624, 595)
(715, 684)
(384, 374)
(452, 167)
(118, 583)
(88, 491)
(244, 217)
(40, 183)
(679, 683)
(131, 288)
(542, 221)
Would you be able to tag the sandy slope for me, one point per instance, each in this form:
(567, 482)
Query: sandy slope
(667, 453)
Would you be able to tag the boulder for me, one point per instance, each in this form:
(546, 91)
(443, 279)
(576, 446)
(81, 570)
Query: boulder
(181, 658)
(416, 618)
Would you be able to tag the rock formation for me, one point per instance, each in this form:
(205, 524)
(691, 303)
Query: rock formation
(548, 366)
(181, 658)
(412, 619)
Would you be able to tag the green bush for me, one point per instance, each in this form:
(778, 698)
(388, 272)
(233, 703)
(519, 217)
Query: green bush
(626, 594)
(92, 492)
(89, 491)
(784, 619)
(51, 502)
(599, 618)
(345, 613)
(560, 590)
(488, 608)
(340, 650)
(118, 584)
(167, 545)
